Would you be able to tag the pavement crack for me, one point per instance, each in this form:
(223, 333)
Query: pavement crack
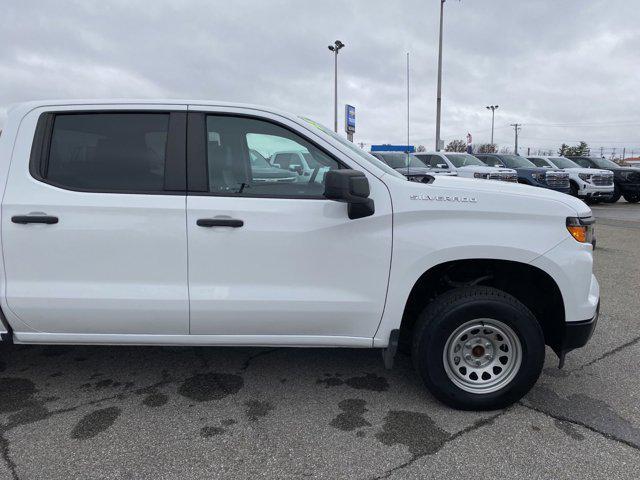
(11, 465)
(579, 423)
(248, 361)
(628, 344)
(483, 422)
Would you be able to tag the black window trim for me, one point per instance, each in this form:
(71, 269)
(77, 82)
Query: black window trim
(197, 165)
(175, 174)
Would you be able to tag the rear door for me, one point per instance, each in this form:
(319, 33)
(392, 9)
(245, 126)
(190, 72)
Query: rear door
(93, 222)
(276, 262)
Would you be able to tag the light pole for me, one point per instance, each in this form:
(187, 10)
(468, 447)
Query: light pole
(493, 109)
(517, 127)
(439, 96)
(335, 48)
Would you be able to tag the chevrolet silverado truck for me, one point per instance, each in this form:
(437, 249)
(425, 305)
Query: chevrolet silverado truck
(466, 165)
(141, 223)
(591, 185)
(626, 180)
(528, 173)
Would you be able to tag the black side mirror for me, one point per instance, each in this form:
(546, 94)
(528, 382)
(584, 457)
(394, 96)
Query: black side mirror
(351, 187)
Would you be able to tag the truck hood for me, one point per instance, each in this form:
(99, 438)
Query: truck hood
(486, 169)
(472, 187)
(531, 170)
(589, 171)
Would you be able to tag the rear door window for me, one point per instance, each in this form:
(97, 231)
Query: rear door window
(108, 152)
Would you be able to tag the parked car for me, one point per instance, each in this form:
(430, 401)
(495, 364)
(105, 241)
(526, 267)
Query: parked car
(626, 180)
(302, 163)
(407, 164)
(466, 165)
(263, 171)
(588, 184)
(528, 173)
(122, 224)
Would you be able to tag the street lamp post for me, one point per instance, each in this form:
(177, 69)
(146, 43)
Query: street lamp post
(439, 96)
(493, 109)
(335, 48)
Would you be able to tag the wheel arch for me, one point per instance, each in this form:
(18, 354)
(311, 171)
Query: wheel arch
(532, 286)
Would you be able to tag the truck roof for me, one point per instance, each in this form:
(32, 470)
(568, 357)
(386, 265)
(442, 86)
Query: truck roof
(26, 107)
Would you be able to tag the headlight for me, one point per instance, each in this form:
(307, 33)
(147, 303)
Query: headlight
(581, 228)
(481, 175)
(585, 176)
(539, 176)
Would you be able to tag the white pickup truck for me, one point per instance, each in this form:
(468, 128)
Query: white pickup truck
(139, 222)
(466, 165)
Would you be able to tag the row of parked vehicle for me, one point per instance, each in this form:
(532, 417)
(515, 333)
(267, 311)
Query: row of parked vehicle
(589, 178)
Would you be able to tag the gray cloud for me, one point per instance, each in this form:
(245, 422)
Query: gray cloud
(545, 62)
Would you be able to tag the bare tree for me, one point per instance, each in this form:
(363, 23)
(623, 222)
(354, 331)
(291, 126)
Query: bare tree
(485, 148)
(456, 146)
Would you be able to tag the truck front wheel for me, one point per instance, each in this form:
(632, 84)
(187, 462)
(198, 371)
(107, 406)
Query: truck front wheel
(478, 348)
(632, 197)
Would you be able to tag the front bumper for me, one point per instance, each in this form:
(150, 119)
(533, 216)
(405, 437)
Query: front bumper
(577, 334)
(536, 183)
(593, 191)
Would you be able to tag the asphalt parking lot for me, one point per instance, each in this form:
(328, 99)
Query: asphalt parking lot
(166, 413)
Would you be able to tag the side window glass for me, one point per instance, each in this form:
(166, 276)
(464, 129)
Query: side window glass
(492, 161)
(538, 162)
(583, 163)
(114, 152)
(249, 157)
(439, 162)
(429, 160)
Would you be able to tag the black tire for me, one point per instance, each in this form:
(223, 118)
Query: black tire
(573, 189)
(632, 197)
(616, 195)
(442, 317)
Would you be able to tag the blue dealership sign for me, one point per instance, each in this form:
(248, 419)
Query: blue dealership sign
(393, 148)
(350, 118)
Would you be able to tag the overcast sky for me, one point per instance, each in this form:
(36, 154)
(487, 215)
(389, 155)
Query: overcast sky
(568, 70)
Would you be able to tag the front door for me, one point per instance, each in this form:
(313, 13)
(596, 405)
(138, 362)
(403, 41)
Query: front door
(270, 258)
(112, 258)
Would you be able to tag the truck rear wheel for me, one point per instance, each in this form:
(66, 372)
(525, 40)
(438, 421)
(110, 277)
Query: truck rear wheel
(632, 197)
(478, 348)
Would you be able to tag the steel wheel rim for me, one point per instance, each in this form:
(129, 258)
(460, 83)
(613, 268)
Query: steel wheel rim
(482, 355)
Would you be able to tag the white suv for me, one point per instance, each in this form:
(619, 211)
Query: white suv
(466, 165)
(143, 222)
(586, 183)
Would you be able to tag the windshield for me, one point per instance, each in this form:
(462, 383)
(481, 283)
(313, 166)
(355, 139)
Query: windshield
(351, 146)
(311, 161)
(604, 163)
(463, 159)
(540, 162)
(516, 161)
(401, 160)
(562, 162)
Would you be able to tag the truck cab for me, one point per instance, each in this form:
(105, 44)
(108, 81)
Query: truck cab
(406, 164)
(149, 222)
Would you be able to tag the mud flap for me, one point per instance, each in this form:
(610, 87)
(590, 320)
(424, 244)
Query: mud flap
(389, 353)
